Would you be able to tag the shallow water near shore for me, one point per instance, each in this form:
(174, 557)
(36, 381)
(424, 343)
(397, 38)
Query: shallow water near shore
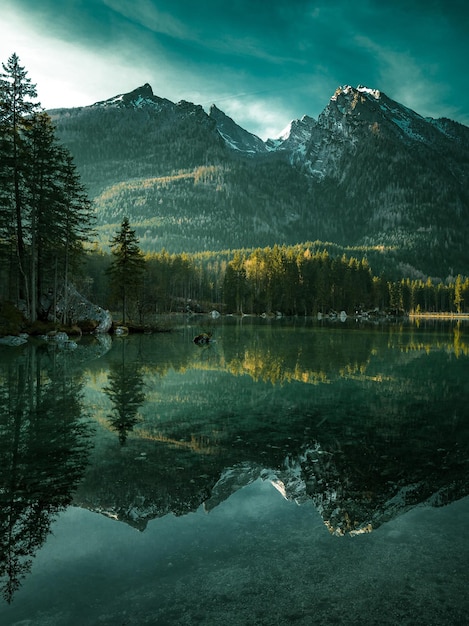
(286, 473)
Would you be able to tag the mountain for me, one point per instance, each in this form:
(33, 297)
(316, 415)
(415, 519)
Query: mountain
(314, 476)
(368, 173)
(235, 136)
(294, 139)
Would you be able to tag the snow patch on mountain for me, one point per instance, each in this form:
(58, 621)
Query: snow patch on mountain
(298, 141)
(375, 93)
(139, 98)
(348, 90)
(236, 137)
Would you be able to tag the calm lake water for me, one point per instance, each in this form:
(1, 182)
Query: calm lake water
(287, 473)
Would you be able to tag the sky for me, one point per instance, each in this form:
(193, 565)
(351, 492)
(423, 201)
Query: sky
(262, 62)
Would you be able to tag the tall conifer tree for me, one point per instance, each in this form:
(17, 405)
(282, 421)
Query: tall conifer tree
(17, 103)
(128, 264)
(45, 215)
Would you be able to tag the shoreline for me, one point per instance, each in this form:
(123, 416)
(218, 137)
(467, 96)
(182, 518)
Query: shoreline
(452, 316)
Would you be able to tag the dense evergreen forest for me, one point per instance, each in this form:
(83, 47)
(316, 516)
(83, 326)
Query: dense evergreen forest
(45, 215)
(292, 280)
(47, 242)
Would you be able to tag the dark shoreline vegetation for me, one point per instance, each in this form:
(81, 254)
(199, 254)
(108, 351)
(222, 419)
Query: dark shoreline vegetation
(47, 247)
(301, 280)
(286, 281)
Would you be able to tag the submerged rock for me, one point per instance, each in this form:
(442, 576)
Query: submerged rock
(203, 339)
(61, 339)
(11, 340)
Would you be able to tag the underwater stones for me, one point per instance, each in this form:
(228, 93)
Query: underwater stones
(14, 340)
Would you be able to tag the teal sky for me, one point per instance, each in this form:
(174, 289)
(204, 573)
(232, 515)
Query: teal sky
(263, 62)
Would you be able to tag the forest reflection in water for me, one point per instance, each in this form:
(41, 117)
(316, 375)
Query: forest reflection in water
(44, 446)
(362, 422)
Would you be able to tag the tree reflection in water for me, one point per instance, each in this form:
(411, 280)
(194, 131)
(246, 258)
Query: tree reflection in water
(366, 423)
(125, 390)
(44, 445)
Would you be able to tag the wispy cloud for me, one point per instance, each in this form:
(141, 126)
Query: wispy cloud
(406, 79)
(260, 116)
(75, 76)
(149, 16)
(264, 62)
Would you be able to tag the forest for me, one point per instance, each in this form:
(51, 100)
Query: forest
(48, 241)
(45, 214)
(298, 280)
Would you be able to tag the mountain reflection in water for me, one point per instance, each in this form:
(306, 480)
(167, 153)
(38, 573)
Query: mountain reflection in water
(365, 422)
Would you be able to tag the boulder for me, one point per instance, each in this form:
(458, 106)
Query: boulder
(81, 312)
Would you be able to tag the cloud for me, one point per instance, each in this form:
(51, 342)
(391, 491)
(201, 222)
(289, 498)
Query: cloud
(259, 116)
(147, 15)
(406, 80)
(264, 62)
(66, 73)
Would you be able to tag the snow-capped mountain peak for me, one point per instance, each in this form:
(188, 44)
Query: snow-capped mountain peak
(353, 108)
(295, 136)
(372, 92)
(138, 98)
(348, 90)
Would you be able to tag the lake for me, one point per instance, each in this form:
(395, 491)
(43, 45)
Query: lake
(290, 472)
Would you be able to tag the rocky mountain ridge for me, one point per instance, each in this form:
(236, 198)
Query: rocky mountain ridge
(369, 172)
(316, 474)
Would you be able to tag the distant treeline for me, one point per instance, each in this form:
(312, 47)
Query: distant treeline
(293, 280)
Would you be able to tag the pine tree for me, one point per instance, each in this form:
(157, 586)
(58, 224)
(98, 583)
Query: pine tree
(75, 221)
(44, 213)
(40, 196)
(128, 265)
(17, 104)
(59, 210)
(235, 284)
